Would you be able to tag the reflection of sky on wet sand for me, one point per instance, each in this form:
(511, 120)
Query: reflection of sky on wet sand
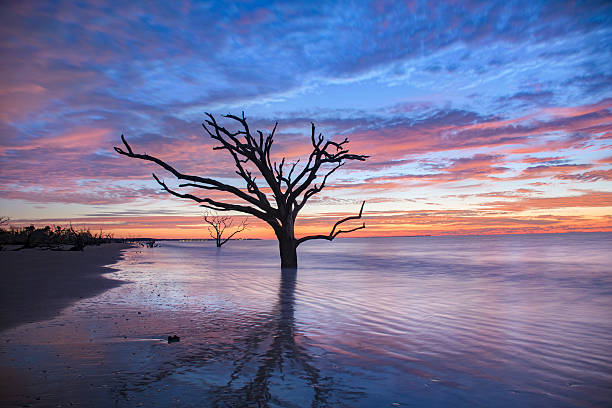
(430, 321)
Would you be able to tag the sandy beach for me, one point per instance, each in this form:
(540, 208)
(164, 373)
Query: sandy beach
(37, 284)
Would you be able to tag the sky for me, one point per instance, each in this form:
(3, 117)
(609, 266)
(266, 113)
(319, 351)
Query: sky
(479, 117)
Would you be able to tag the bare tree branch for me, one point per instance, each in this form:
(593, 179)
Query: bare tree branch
(334, 233)
(241, 228)
(212, 204)
(207, 182)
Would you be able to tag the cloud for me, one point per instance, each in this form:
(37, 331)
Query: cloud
(595, 175)
(437, 94)
(605, 160)
(526, 97)
(585, 200)
(396, 139)
(477, 167)
(79, 194)
(378, 223)
(548, 170)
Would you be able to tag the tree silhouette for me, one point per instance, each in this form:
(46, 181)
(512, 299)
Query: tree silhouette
(219, 224)
(290, 186)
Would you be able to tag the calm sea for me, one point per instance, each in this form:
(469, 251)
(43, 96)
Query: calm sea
(480, 321)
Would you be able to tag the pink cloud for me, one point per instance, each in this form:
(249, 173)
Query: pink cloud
(547, 170)
(595, 175)
(585, 200)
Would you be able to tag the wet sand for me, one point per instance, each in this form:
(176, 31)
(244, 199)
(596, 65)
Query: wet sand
(37, 284)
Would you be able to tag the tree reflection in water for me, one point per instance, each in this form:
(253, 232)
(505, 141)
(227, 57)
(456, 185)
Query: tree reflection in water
(283, 358)
(265, 358)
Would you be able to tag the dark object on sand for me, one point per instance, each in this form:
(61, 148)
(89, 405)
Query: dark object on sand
(149, 244)
(173, 339)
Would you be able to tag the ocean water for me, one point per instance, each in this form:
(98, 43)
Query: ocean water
(478, 321)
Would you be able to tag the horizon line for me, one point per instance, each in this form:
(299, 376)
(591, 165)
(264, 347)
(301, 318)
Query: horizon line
(379, 236)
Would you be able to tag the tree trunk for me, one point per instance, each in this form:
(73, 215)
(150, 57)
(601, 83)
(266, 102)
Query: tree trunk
(288, 253)
(287, 244)
(218, 238)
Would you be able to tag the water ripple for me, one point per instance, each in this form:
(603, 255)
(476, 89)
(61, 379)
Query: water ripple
(429, 321)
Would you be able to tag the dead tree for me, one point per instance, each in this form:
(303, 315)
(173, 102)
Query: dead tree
(219, 224)
(290, 186)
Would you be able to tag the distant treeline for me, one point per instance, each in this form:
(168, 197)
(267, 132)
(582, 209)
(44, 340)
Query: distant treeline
(56, 237)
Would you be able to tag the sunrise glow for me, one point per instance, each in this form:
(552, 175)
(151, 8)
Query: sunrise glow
(479, 119)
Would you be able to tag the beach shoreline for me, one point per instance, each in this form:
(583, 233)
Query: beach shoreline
(37, 284)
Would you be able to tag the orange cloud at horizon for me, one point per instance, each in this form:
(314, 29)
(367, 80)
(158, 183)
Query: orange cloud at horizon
(378, 223)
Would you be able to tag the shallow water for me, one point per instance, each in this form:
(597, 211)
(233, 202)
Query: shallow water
(505, 321)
